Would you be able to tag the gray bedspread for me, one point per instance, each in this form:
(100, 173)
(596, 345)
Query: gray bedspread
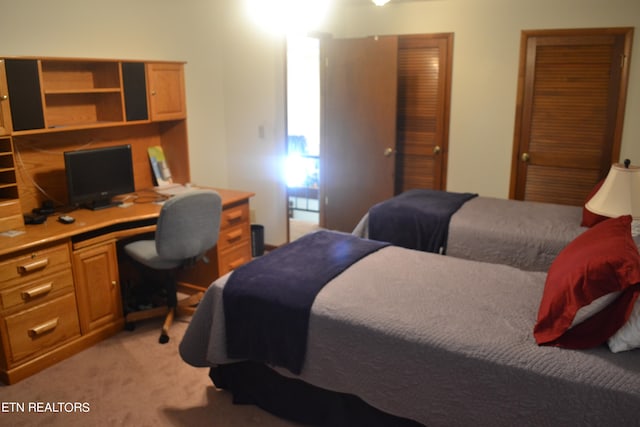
(446, 342)
(526, 235)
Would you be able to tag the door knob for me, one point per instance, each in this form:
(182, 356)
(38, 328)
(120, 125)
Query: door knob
(437, 149)
(525, 157)
(388, 152)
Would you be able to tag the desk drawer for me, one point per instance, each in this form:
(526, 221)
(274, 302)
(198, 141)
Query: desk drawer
(36, 263)
(234, 216)
(36, 291)
(235, 258)
(233, 236)
(39, 329)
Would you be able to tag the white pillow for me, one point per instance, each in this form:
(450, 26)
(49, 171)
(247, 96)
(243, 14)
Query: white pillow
(628, 336)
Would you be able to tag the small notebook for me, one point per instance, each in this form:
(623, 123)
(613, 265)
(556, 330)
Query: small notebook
(160, 166)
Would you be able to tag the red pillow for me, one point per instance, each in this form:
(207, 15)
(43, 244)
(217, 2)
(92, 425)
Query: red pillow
(589, 219)
(602, 260)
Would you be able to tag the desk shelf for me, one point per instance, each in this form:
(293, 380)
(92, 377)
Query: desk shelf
(48, 93)
(80, 92)
(81, 108)
(81, 75)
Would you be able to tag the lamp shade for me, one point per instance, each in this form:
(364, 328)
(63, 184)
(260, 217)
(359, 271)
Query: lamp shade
(380, 2)
(619, 194)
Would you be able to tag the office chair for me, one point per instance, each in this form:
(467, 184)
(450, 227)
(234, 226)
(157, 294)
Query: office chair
(187, 228)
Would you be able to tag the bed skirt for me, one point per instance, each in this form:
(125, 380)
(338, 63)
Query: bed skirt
(293, 399)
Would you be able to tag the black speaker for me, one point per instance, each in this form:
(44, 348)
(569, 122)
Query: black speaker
(135, 91)
(24, 93)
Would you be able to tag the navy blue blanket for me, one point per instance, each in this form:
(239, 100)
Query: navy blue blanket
(267, 301)
(416, 219)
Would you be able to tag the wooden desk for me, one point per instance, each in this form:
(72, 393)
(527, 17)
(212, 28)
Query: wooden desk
(59, 283)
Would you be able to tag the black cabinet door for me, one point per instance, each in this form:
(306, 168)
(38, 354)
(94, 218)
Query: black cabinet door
(24, 94)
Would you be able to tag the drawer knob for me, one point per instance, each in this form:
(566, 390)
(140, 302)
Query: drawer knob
(234, 235)
(33, 266)
(234, 216)
(43, 328)
(37, 291)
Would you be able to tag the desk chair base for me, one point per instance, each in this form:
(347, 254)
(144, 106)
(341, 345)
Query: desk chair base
(185, 306)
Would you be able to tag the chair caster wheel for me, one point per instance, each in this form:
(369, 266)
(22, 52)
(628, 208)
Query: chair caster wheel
(163, 339)
(129, 326)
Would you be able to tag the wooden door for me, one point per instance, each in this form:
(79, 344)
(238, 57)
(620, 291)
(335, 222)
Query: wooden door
(166, 91)
(570, 110)
(424, 93)
(358, 128)
(97, 289)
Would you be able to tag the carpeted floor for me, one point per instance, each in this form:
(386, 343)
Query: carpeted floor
(127, 380)
(298, 228)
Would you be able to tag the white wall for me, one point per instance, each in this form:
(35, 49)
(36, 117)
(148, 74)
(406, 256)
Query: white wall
(255, 110)
(485, 67)
(235, 75)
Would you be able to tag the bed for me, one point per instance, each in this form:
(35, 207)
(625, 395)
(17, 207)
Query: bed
(527, 235)
(430, 340)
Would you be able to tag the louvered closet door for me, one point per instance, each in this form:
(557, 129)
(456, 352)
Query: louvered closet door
(571, 97)
(424, 75)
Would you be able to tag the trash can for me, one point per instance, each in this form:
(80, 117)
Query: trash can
(257, 240)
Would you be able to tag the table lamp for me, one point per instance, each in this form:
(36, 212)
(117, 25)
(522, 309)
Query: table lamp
(619, 194)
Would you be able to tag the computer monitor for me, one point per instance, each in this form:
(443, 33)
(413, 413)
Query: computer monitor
(94, 176)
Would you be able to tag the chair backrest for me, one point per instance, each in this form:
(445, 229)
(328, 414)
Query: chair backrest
(188, 225)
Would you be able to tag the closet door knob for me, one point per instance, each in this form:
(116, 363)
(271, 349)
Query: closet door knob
(437, 149)
(526, 157)
(388, 152)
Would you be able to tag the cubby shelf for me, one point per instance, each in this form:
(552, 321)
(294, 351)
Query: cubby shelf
(10, 209)
(63, 74)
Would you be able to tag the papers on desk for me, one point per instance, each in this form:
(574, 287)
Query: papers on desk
(12, 233)
(172, 189)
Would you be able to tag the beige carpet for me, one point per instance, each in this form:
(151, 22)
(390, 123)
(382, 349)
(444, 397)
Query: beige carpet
(128, 380)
